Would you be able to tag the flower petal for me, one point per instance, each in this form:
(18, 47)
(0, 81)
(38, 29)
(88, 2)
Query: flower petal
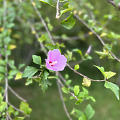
(61, 63)
(53, 54)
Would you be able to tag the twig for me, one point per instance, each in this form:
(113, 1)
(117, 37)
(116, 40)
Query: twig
(68, 38)
(61, 97)
(84, 75)
(17, 109)
(89, 49)
(16, 94)
(63, 79)
(43, 22)
(6, 59)
(37, 36)
(57, 10)
(99, 38)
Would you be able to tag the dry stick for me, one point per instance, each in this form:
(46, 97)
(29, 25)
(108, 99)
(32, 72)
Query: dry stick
(57, 10)
(16, 94)
(6, 59)
(99, 38)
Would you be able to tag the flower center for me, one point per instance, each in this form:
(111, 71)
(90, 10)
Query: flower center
(52, 63)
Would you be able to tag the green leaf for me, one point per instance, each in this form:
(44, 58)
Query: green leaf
(28, 82)
(21, 66)
(109, 74)
(68, 82)
(12, 64)
(2, 106)
(106, 75)
(44, 83)
(76, 89)
(1, 98)
(18, 76)
(100, 68)
(89, 111)
(42, 38)
(79, 51)
(2, 69)
(50, 2)
(113, 87)
(19, 118)
(116, 1)
(79, 114)
(91, 98)
(65, 90)
(69, 55)
(11, 110)
(65, 10)
(36, 59)
(69, 22)
(25, 108)
(29, 71)
(76, 67)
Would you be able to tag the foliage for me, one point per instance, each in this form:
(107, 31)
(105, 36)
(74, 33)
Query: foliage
(28, 26)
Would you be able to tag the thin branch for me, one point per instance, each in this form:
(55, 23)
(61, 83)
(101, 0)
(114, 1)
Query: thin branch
(84, 75)
(43, 22)
(62, 99)
(57, 10)
(80, 61)
(63, 79)
(89, 49)
(16, 94)
(6, 59)
(37, 36)
(17, 109)
(68, 38)
(99, 38)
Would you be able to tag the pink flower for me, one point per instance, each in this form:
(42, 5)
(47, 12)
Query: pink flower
(55, 61)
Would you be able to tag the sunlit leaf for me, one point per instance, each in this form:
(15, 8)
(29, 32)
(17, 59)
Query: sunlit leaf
(18, 76)
(86, 82)
(76, 89)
